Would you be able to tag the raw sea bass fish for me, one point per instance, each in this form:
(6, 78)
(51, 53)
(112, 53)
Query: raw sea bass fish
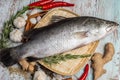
(58, 37)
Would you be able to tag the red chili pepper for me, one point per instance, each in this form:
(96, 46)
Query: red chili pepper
(84, 75)
(55, 4)
(40, 3)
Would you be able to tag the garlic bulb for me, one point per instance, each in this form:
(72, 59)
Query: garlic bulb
(16, 35)
(19, 22)
(40, 75)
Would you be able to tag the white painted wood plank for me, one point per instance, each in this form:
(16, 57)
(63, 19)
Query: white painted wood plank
(107, 9)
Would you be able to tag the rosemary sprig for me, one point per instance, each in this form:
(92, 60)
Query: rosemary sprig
(7, 28)
(21, 11)
(58, 58)
(5, 34)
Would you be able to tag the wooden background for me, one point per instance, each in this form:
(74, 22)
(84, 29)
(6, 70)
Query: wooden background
(107, 9)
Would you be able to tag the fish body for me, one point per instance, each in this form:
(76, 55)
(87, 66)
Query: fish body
(61, 36)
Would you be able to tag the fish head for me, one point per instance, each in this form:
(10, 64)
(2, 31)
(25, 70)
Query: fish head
(104, 28)
(110, 26)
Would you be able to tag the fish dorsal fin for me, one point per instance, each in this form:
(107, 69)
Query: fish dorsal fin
(56, 18)
(82, 34)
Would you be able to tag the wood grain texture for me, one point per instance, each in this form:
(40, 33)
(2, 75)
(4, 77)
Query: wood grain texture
(69, 67)
(107, 9)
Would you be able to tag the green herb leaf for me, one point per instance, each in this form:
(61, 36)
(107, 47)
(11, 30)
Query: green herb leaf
(8, 26)
(21, 12)
(58, 58)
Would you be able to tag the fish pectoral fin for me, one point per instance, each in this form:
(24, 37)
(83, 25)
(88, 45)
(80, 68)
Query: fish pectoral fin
(28, 35)
(56, 19)
(81, 35)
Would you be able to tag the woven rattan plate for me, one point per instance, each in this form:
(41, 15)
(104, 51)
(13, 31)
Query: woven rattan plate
(68, 67)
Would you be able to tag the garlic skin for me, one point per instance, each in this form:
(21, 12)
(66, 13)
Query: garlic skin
(33, 20)
(34, 11)
(16, 35)
(38, 18)
(40, 75)
(24, 15)
(19, 22)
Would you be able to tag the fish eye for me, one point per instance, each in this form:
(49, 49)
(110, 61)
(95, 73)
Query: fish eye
(112, 24)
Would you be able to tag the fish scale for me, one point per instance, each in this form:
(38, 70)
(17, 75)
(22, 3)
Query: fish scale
(61, 36)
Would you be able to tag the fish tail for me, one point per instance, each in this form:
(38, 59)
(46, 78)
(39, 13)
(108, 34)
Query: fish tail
(7, 57)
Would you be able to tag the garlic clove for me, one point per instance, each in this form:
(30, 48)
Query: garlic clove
(33, 20)
(34, 11)
(38, 18)
(25, 16)
(40, 75)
